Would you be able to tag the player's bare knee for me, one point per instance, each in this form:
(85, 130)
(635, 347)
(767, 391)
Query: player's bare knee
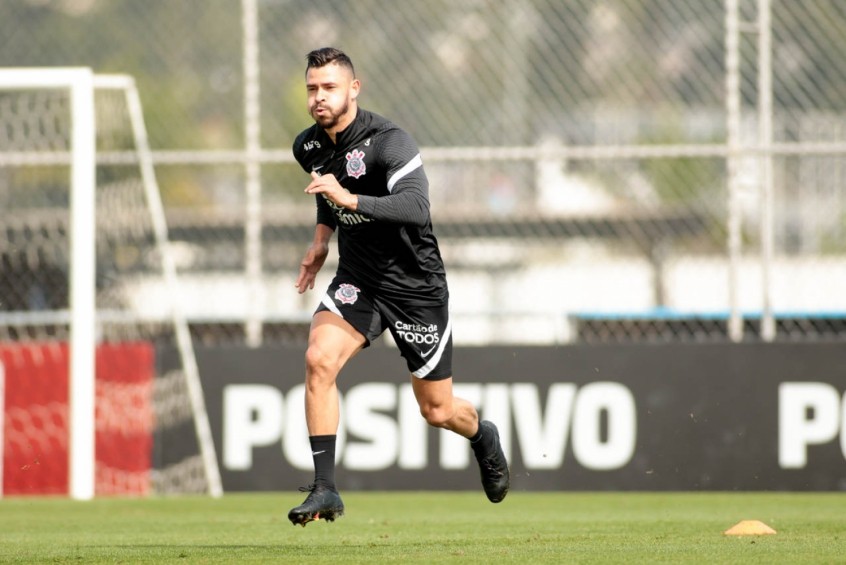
(317, 360)
(436, 416)
(321, 369)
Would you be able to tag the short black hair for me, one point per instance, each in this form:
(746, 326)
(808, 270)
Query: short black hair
(326, 55)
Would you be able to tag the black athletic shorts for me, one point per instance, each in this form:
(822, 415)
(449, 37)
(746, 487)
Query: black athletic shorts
(423, 334)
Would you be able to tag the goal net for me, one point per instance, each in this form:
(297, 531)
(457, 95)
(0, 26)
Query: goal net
(90, 407)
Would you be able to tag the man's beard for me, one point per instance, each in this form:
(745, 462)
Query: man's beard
(331, 120)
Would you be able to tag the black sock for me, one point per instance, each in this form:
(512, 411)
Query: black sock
(483, 442)
(478, 436)
(323, 453)
(480, 441)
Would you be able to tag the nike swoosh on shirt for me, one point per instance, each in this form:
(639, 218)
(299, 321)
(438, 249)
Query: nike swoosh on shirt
(426, 353)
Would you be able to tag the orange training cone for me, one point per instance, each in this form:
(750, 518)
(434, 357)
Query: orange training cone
(749, 528)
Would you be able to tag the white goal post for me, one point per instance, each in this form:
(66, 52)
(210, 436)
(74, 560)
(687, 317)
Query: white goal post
(81, 83)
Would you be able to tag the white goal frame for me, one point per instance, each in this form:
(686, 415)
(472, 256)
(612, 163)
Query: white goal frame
(81, 83)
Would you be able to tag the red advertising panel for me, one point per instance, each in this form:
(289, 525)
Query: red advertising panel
(36, 424)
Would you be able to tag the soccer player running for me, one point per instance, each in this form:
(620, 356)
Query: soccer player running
(368, 180)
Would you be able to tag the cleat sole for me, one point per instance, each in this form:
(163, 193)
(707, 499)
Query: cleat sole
(326, 516)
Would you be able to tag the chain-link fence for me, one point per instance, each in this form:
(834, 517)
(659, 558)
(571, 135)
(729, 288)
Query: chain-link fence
(597, 171)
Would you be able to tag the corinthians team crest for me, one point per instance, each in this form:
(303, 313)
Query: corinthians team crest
(355, 163)
(347, 293)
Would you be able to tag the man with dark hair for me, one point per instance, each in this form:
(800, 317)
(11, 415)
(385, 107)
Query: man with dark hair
(368, 179)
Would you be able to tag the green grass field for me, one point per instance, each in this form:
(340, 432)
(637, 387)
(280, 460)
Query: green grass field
(428, 528)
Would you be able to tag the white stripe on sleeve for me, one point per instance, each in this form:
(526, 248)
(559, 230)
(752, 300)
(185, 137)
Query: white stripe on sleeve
(415, 163)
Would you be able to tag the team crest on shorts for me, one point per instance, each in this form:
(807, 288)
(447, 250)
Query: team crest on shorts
(355, 163)
(347, 294)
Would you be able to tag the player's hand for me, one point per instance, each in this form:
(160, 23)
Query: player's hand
(328, 186)
(309, 267)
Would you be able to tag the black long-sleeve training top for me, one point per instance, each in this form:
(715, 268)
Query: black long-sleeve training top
(387, 244)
